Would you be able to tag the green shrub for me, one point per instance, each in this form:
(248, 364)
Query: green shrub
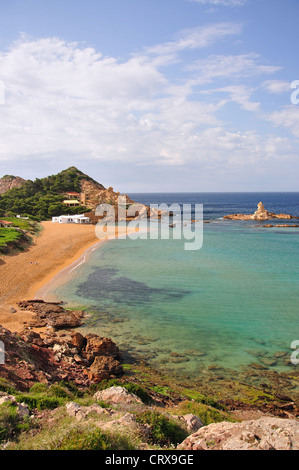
(72, 388)
(78, 439)
(6, 387)
(59, 391)
(10, 422)
(210, 402)
(138, 391)
(40, 402)
(39, 388)
(205, 413)
(163, 431)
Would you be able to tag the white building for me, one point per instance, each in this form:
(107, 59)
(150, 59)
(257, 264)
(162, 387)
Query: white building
(71, 219)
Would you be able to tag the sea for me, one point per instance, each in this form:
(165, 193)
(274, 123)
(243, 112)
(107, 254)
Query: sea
(230, 304)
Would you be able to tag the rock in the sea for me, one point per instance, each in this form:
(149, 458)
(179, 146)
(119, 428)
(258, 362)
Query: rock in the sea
(117, 395)
(260, 214)
(262, 434)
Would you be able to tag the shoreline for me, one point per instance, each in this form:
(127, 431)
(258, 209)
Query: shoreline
(25, 274)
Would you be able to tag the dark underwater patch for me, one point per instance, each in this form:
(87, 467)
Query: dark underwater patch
(105, 283)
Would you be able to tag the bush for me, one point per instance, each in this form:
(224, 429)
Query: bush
(6, 387)
(205, 413)
(78, 439)
(40, 402)
(163, 431)
(10, 422)
(138, 391)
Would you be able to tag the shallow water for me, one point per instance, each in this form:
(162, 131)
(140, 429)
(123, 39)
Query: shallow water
(229, 304)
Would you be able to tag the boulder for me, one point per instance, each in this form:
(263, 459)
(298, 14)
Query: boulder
(7, 399)
(78, 341)
(103, 368)
(97, 346)
(82, 412)
(192, 422)
(63, 320)
(117, 395)
(266, 433)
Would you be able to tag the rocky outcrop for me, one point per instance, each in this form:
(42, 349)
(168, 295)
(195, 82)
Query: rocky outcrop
(192, 422)
(260, 214)
(52, 314)
(117, 395)
(263, 434)
(9, 182)
(103, 368)
(54, 354)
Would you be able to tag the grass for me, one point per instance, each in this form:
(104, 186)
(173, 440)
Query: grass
(11, 425)
(19, 233)
(23, 224)
(163, 430)
(207, 414)
(10, 236)
(64, 433)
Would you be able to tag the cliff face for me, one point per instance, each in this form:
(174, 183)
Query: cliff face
(93, 194)
(9, 182)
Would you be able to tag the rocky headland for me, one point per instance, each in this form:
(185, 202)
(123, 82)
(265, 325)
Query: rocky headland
(62, 384)
(260, 214)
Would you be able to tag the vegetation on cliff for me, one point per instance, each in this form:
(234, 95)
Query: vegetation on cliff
(43, 198)
(18, 235)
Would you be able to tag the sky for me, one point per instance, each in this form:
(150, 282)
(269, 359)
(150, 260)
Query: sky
(152, 95)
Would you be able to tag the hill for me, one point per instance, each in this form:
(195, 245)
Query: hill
(8, 182)
(68, 192)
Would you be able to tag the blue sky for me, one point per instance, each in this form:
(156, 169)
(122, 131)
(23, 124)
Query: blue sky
(151, 95)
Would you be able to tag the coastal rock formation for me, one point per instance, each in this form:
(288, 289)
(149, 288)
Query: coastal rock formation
(263, 434)
(56, 354)
(52, 314)
(103, 368)
(8, 182)
(260, 214)
(97, 346)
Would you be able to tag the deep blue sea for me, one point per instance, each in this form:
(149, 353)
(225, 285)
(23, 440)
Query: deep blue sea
(232, 303)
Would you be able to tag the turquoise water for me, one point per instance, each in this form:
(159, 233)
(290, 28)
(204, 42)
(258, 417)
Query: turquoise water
(230, 304)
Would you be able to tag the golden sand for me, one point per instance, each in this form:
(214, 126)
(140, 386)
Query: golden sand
(23, 274)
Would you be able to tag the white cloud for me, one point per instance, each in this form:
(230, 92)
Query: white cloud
(277, 86)
(288, 117)
(230, 3)
(196, 38)
(229, 66)
(68, 102)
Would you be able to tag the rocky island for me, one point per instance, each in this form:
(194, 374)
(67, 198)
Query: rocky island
(260, 214)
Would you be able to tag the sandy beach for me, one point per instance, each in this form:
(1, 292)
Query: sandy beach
(25, 273)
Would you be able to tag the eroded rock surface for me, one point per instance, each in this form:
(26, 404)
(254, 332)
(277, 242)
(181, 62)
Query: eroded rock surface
(263, 434)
